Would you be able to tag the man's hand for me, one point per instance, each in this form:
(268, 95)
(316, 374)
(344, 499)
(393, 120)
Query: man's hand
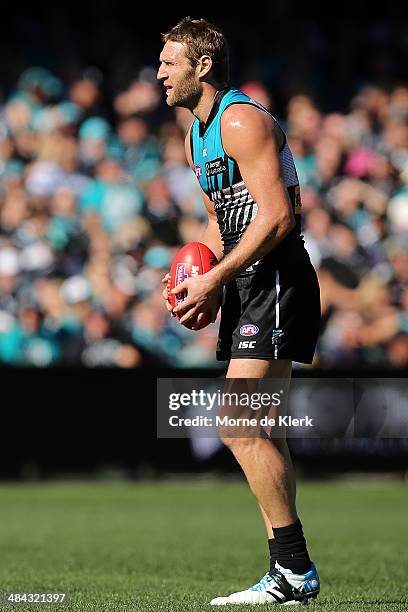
(203, 293)
(165, 293)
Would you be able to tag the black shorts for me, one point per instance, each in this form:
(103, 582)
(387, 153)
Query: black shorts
(272, 314)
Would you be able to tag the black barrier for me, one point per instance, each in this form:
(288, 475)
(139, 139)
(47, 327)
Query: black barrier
(68, 422)
(333, 408)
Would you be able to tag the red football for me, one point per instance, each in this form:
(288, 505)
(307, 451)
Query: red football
(192, 259)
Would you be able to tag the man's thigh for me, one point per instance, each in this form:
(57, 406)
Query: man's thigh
(259, 368)
(250, 380)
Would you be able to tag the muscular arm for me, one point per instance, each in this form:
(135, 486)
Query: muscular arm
(249, 136)
(211, 236)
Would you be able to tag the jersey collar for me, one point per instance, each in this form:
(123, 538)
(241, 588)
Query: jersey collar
(203, 127)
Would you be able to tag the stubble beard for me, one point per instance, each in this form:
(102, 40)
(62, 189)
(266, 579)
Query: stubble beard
(187, 93)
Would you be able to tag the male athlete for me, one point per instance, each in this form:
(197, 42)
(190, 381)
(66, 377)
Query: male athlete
(251, 191)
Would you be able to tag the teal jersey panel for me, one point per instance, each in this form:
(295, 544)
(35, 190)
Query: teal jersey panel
(213, 168)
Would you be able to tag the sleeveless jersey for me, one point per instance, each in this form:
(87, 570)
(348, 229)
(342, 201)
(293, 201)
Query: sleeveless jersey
(220, 178)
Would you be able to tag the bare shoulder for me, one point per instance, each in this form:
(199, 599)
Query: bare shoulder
(247, 113)
(241, 117)
(246, 124)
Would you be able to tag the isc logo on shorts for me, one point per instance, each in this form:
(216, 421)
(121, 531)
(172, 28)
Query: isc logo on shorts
(247, 344)
(248, 330)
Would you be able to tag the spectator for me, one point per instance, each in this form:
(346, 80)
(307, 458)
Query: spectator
(96, 197)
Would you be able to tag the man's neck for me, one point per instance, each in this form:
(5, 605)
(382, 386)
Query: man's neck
(204, 105)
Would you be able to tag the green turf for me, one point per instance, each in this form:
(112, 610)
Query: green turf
(174, 546)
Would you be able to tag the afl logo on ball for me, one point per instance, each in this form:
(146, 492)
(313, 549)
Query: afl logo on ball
(249, 329)
(181, 276)
(198, 171)
(181, 273)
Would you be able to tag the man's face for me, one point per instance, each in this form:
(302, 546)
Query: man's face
(178, 76)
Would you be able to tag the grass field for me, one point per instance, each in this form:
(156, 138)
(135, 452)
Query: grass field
(173, 546)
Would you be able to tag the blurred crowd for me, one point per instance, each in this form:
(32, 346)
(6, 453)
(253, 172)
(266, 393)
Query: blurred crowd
(93, 206)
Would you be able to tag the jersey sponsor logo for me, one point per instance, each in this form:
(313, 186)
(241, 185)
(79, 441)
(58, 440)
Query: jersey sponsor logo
(180, 277)
(215, 166)
(249, 329)
(277, 336)
(247, 344)
(198, 171)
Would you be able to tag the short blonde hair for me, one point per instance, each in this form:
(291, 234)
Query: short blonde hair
(201, 37)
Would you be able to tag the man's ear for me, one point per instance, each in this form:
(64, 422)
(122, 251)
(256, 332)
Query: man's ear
(204, 65)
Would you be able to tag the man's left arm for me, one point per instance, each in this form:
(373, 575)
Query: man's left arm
(250, 137)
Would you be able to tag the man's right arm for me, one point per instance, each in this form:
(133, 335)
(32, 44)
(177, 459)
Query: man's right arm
(211, 236)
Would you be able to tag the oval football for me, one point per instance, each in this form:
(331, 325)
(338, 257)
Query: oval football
(191, 260)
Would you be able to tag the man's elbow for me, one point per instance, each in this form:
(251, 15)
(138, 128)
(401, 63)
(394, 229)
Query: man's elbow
(289, 223)
(280, 226)
(285, 224)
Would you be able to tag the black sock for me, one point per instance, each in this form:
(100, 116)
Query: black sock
(292, 550)
(273, 552)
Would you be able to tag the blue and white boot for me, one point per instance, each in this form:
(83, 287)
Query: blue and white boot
(281, 586)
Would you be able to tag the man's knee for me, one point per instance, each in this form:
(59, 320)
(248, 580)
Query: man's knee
(252, 443)
(242, 444)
